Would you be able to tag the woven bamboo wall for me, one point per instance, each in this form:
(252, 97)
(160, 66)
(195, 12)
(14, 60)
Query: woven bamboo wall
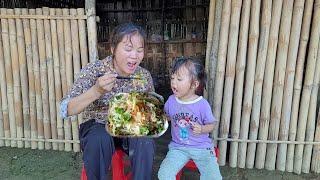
(263, 59)
(39, 58)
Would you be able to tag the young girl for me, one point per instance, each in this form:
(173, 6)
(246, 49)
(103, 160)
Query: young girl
(191, 122)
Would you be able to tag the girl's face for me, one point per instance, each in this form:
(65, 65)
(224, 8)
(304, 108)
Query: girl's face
(182, 85)
(128, 54)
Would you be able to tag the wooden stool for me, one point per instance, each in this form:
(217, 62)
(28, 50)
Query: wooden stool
(118, 165)
(192, 166)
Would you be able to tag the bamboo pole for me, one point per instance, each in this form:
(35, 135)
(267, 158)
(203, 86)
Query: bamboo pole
(16, 78)
(315, 164)
(289, 79)
(213, 60)
(32, 96)
(209, 39)
(69, 73)
(249, 83)
(218, 91)
(308, 81)
(229, 75)
(259, 73)
(50, 74)
(311, 121)
(60, 28)
(37, 79)
(304, 38)
(57, 82)
(83, 39)
(44, 79)
(3, 83)
(238, 90)
(92, 29)
(278, 82)
(76, 71)
(1, 122)
(24, 79)
(267, 83)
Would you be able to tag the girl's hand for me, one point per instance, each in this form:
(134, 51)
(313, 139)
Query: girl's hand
(105, 83)
(196, 128)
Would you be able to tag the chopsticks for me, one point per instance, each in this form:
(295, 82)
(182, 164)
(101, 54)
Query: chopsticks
(124, 77)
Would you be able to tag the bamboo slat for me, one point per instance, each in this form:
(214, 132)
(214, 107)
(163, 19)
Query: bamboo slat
(23, 79)
(69, 73)
(223, 44)
(299, 69)
(308, 81)
(229, 75)
(267, 83)
(44, 79)
(83, 39)
(1, 122)
(16, 78)
(209, 38)
(278, 82)
(315, 164)
(312, 116)
(44, 17)
(76, 70)
(238, 89)
(248, 87)
(289, 80)
(37, 78)
(57, 80)
(32, 96)
(50, 73)
(259, 73)
(92, 30)
(3, 89)
(213, 60)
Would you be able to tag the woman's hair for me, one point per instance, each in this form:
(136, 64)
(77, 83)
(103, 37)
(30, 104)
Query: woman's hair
(126, 29)
(195, 68)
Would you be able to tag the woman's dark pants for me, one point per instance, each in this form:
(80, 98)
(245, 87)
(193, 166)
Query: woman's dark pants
(98, 146)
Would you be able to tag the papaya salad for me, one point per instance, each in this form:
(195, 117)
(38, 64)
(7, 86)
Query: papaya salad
(136, 114)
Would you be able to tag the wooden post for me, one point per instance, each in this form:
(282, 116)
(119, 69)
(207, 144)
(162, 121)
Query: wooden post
(90, 6)
(278, 82)
(306, 91)
(229, 75)
(304, 39)
(82, 38)
(37, 78)
(223, 44)
(3, 81)
(44, 79)
(23, 78)
(248, 87)
(209, 38)
(69, 73)
(267, 83)
(288, 86)
(259, 74)
(238, 89)
(16, 78)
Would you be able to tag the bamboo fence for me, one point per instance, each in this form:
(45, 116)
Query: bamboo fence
(39, 59)
(271, 87)
(263, 63)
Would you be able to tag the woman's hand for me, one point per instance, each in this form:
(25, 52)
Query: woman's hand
(104, 84)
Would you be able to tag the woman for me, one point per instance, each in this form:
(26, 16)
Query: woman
(90, 94)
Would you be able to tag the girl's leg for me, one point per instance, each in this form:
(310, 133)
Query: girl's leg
(174, 161)
(207, 164)
(97, 146)
(141, 153)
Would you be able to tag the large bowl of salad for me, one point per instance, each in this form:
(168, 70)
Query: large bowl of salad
(136, 114)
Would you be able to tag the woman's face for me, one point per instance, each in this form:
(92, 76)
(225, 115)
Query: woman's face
(128, 54)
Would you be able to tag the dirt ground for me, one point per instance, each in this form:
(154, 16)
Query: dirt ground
(25, 164)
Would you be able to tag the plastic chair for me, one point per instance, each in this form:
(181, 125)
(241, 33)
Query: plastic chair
(192, 166)
(118, 167)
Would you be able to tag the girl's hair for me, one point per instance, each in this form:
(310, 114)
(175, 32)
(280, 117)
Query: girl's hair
(126, 29)
(195, 68)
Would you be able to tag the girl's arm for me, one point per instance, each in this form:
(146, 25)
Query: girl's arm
(202, 129)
